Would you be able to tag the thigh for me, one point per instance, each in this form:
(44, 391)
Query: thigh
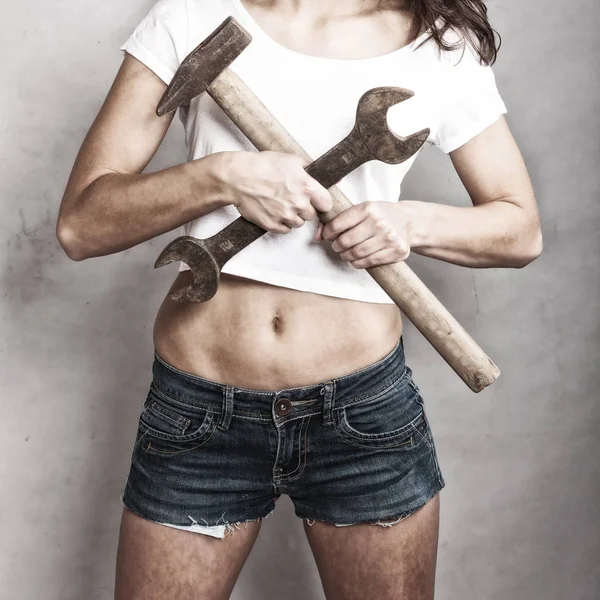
(155, 562)
(366, 560)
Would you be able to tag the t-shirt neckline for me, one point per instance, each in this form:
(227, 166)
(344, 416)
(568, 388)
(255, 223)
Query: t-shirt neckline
(258, 31)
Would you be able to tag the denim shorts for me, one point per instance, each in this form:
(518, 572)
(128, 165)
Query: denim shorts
(355, 449)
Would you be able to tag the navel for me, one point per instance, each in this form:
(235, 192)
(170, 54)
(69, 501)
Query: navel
(277, 325)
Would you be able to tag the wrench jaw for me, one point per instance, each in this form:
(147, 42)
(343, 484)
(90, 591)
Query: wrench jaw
(411, 144)
(206, 274)
(371, 121)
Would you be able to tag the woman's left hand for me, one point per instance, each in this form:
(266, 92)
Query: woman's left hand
(369, 234)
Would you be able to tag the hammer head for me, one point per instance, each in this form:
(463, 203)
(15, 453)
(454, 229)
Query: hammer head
(371, 122)
(204, 64)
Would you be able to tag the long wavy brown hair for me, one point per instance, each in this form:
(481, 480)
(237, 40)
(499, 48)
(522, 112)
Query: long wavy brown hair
(469, 17)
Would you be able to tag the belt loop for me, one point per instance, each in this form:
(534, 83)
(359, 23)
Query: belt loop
(227, 409)
(328, 392)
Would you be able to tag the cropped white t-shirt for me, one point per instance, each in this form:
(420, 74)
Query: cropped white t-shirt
(315, 99)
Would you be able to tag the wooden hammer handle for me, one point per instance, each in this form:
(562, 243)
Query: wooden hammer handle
(411, 295)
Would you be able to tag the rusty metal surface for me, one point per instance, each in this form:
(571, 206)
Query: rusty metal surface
(204, 64)
(205, 258)
(370, 139)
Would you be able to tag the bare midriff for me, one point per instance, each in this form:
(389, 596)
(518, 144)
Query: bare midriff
(264, 337)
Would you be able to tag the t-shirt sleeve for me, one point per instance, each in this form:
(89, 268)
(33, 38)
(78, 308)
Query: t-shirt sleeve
(470, 100)
(160, 39)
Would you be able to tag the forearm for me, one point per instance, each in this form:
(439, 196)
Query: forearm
(117, 211)
(495, 234)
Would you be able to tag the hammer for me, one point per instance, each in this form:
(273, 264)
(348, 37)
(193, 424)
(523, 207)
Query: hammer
(205, 69)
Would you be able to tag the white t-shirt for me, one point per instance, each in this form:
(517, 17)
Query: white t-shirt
(315, 99)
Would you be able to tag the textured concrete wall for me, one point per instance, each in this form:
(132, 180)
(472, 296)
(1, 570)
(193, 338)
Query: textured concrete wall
(520, 511)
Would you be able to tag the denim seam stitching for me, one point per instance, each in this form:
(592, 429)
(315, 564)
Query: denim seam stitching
(150, 449)
(190, 437)
(277, 452)
(184, 422)
(176, 452)
(433, 450)
(178, 401)
(137, 443)
(373, 395)
(426, 438)
(302, 462)
(414, 386)
(373, 442)
(370, 445)
(292, 417)
(249, 418)
(385, 435)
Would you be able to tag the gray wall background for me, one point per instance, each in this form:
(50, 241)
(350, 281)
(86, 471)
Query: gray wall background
(520, 512)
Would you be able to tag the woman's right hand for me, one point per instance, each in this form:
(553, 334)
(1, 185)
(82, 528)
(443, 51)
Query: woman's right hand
(271, 189)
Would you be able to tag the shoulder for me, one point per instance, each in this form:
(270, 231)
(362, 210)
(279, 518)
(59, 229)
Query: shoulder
(204, 16)
(164, 16)
(459, 67)
(468, 98)
(185, 21)
(167, 9)
(208, 8)
(461, 54)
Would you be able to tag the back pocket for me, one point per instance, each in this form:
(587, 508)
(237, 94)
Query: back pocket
(170, 427)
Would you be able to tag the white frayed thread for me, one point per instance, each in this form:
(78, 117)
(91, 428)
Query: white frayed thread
(219, 530)
(194, 522)
(390, 523)
(311, 522)
(231, 526)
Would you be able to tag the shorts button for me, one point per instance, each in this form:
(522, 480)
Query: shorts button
(283, 406)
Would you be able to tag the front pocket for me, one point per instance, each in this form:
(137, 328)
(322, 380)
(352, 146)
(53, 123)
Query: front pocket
(408, 436)
(172, 428)
(391, 419)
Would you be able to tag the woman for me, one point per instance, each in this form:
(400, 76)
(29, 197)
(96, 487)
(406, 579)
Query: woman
(292, 379)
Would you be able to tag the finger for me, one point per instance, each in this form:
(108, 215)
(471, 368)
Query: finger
(317, 237)
(280, 228)
(382, 257)
(355, 235)
(319, 197)
(364, 249)
(351, 217)
(307, 212)
(302, 161)
(294, 222)
(273, 226)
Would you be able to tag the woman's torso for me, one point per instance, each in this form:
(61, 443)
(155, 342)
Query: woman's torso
(261, 336)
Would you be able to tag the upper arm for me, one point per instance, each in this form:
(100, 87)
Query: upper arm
(126, 132)
(472, 130)
(491, 168)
